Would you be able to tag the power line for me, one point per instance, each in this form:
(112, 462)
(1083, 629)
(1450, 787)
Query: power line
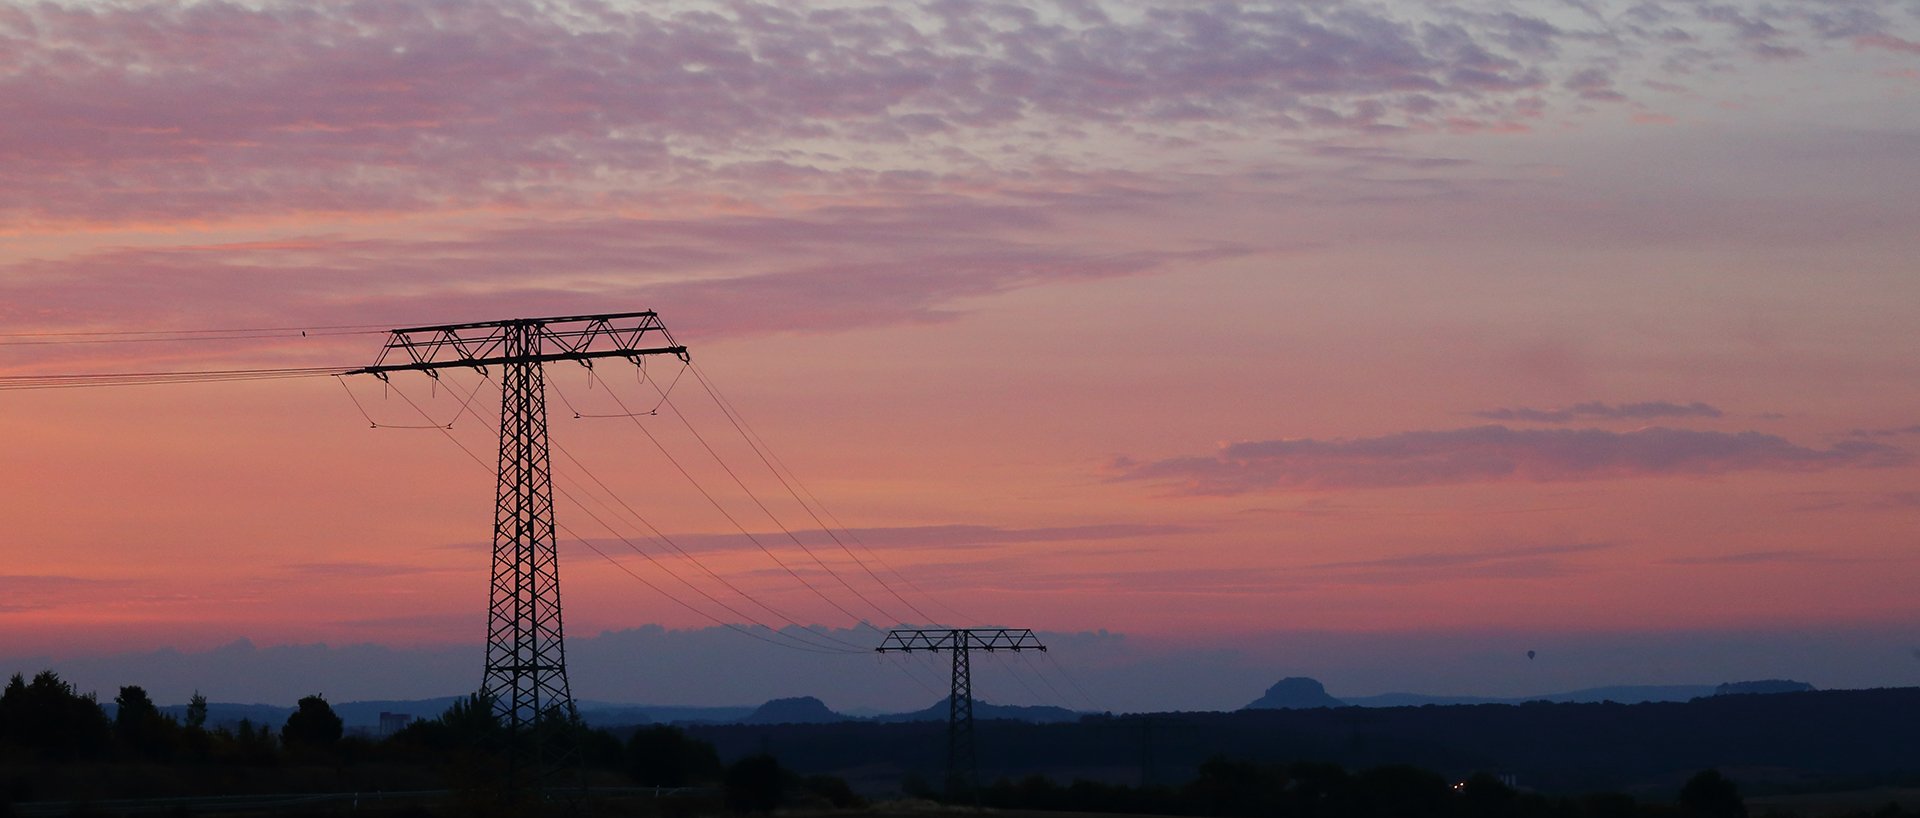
(636, 549)
(569, 532)
(371, 329)
(737, 427)
(707, 381)
(724, 513)
(767, 511)
(192, 338)
(78, 381)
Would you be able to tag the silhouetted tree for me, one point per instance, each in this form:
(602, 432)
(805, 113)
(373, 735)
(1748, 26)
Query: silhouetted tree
(663, 756)
(1484, 796)
(1226, 787)
(48, 716)
(1708, 794)
(834, 790)
(466, 725)
(755, 784)
(140, 726)
(197, 711)
(247, 744)
(313, 725)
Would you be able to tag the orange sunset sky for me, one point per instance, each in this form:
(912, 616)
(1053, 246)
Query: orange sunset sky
(1204, 323)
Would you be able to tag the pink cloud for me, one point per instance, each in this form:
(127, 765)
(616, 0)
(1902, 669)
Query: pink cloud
(1598, 410)
(1493, 454)
(1886, 41)
(833, 269)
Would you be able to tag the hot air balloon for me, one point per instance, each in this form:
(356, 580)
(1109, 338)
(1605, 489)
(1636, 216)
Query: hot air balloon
(1529, 656)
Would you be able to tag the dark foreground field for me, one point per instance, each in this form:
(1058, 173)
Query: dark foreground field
(61, 755)
(1772, 742)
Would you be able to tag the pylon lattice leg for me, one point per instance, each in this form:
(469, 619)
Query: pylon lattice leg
(963, 766)
(526, 672)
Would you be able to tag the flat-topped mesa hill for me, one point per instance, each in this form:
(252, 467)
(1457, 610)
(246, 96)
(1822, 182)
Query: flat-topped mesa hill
(796, 710)
(1295, 693)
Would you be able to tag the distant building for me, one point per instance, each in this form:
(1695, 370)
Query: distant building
(391, 723)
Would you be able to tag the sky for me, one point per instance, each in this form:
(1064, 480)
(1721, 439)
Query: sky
(1380, 342)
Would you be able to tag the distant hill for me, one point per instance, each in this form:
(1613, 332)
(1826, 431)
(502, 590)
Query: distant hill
(1040, 714)
(1625, 694)
(797, 710)
(1792, 739)
(1766, 686)
(1295, 693)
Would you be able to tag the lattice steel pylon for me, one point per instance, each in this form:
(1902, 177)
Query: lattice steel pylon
(963, 760)
(526, 668)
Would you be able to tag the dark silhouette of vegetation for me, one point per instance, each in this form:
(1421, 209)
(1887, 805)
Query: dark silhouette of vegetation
(49, 719)
(197, 711)
(58, 743)
(1242, 789)
(142, 752)
(1816, 741)
(758, 783)
(140, 727)
(1708, 794)
(313, 725)
(755, 784)
(663, 756)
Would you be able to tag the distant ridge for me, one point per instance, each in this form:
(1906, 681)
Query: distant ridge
(1295, 693)
(1764, 686)
(1624, 694)
(797, 710)
(1040, 714)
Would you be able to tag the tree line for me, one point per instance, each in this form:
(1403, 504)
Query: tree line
(47, 721)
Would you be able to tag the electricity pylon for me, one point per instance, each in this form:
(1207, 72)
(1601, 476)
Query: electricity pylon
(526, 670)
(963, 763)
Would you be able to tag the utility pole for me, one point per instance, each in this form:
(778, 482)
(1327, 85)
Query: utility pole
(526, 669)
(963, 763)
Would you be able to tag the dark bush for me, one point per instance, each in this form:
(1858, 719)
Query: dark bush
(835, 790)
(1708, 794)
(663, 756)
(755, 784)
(313, 725)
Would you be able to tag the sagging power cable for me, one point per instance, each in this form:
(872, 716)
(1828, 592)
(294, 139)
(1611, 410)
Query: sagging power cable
(812, 647)
(759, 443)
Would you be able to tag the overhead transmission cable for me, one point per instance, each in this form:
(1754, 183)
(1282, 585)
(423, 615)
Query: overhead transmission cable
(369, 329)
(727, 405)
(659, 536)
(15, 382)
(1044, 680)
(884, 614)
(730, 518)
(649, 557)
(616, 563)
(1062, 670)
(1008, 664)
(764, 460)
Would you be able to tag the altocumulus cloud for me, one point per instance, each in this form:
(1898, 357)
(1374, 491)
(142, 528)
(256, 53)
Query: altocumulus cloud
(1493, 453)
(1603, 411)
(190, 109)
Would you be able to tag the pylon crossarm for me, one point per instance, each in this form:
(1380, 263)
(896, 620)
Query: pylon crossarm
(630, 335)
(909, 640)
